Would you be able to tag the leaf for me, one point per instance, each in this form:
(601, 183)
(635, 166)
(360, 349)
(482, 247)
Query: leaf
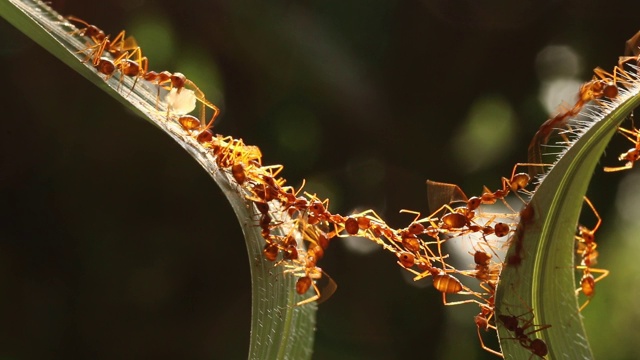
(545, 280)
(279, 328)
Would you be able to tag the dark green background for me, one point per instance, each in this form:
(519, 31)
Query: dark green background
(115, 244)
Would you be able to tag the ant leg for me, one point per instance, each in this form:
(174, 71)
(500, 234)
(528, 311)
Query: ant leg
(486, 348)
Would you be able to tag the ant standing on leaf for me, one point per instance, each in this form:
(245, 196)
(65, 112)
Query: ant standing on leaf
(128, 59)
(587, 249)
(520, 326)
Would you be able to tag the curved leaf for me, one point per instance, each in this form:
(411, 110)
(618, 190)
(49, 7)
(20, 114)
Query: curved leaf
(545, 280)
(279, 328)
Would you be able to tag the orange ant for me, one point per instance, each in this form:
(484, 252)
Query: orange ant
(517, 182)
(317, 210)
(179, 82)
(457, 219)
(632, 155)
(587, 249)
(119, 48)
(588, 283)
(442, 193)
(90, 31)
(601, 85)
(308, 278)
(116, 47)
(410, 241)
(370, 225)
(132, 68)
(485, 271)
(483, 321)
(586, 238)
(308, 273)
(527, 214)
(443, 281)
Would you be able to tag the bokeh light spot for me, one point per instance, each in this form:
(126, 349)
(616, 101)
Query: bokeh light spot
(487, 134)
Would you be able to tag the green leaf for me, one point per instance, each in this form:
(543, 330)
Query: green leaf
(545, 280)
(279, 328)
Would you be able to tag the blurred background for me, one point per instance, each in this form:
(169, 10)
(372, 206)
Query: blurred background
(115, 244)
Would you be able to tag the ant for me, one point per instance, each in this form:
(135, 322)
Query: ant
(527, 214)
(601, 85)
(116, 47)
(307, 279)
(440, 197)
(632, 155)
(90, 31)
(512, 323)
(307, 271)
(517, 182)
(485, 271)
(586, 238)
(124, 50)
(370, 225)
(588, 282)
(443, 281)
(483, 321)
(411, 242)
(178, 82)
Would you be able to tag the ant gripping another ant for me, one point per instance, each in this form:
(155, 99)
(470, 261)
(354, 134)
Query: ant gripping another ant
(603, 84)
(519, 326)
(305, 266)
(443, 193)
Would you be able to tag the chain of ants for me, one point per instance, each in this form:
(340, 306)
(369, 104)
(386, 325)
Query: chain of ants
(418, 247)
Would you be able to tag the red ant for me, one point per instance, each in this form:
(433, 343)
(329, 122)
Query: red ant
(90, 31)
(588, 283)
(485, 271)
(602, 84)
(123, 50)
(116, 47)
(443, 281)
(587, 249)
(633, 154)
(307, 278)
(370, 225)
(512, 323)
(527, 214)
(483, 321)
(586, 238)
(307, 272)
(517, 182)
